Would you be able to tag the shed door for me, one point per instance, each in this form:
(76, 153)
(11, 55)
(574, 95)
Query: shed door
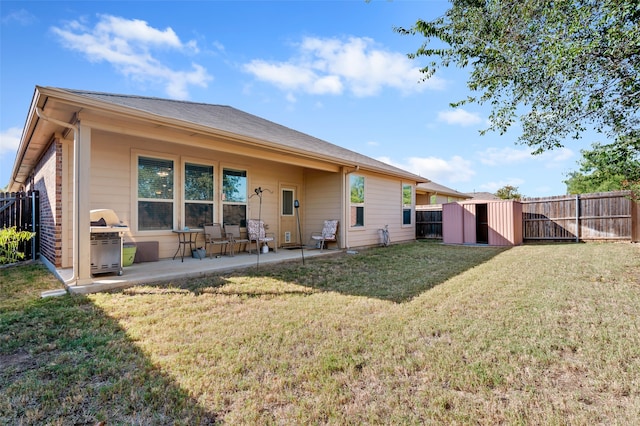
(482, 224)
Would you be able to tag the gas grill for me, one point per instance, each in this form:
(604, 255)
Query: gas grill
(106, 241)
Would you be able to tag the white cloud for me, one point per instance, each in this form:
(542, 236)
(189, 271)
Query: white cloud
(555, 157)
(128, 45)
(459, 116)
(332, 66)
(218, 46)
(293, 77)
(135, 30)
(9, 140)
(21, 17)
(507, 156)
(504, 156)
(455, 169)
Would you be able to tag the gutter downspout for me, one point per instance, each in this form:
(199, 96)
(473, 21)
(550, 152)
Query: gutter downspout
(76, 238)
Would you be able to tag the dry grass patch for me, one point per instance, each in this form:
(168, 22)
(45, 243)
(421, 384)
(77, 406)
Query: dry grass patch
(419, 333)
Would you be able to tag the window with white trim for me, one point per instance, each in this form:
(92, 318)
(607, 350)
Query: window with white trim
(234, 197)
(156, 195)
(407, 203)
(356, 185)
(198, 194)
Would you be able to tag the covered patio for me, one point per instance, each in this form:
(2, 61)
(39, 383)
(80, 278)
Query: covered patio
(170, 269)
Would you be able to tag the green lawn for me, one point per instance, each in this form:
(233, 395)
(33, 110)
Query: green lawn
(410, 334)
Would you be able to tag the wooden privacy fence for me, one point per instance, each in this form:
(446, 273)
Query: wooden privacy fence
(429, 223)
(598, 216)
(22, 210)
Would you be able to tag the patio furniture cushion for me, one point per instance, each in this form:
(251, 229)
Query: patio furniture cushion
(257, 233)
(328, 234)
(146, 251)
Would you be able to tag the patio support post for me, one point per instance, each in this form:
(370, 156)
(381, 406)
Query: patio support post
(82, 204)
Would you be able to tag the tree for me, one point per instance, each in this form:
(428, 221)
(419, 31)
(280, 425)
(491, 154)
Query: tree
(508, 192)
(561, 67)
(608, 167)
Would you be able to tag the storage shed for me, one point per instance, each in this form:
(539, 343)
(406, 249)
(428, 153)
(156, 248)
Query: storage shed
(491, 222)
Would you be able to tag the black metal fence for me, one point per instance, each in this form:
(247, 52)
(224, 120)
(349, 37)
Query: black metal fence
(22, 210)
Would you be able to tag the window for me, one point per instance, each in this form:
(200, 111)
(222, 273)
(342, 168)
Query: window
(287, 202)
(155, 194)
(407, 203)
(433, 199)
(234, 197)
(198, 195)
(357, 200)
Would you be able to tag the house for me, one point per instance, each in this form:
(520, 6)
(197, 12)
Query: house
(482, 196)
(163, 165)
(430, 193)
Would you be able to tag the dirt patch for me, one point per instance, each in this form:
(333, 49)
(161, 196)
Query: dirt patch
(17, 362)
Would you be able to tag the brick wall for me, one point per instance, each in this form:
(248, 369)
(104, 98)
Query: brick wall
(47, 179)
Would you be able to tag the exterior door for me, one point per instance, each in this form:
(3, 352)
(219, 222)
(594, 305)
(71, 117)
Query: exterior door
(288, 220)
(482, 224)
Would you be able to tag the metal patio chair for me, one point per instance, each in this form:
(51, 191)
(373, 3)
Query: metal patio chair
(232, 232)
(214, 236)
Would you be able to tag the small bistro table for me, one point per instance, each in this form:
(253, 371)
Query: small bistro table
(186, 238)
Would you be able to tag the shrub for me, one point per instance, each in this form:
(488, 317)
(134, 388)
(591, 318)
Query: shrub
(10, 238)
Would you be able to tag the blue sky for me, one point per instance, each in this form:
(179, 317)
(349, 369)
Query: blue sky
(334, 70)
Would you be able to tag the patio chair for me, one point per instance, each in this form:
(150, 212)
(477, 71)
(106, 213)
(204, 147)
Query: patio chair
(214, 236)
(232, 232)
(256, 232)
(329, 234)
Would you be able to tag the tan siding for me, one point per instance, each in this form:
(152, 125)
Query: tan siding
(112, 186)
(320, 192)
(423, 199)
(267, 175)
(322, 200)
(383, 206)
(110, 175)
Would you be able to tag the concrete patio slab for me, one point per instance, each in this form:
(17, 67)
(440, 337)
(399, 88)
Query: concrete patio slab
(170, 269)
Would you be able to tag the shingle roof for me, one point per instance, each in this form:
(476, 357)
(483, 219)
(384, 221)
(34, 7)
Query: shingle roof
(482, 196)
(441, 189)
(232, 120)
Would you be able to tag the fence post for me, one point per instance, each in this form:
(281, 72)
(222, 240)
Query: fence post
(577, 218)
(33, 225)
